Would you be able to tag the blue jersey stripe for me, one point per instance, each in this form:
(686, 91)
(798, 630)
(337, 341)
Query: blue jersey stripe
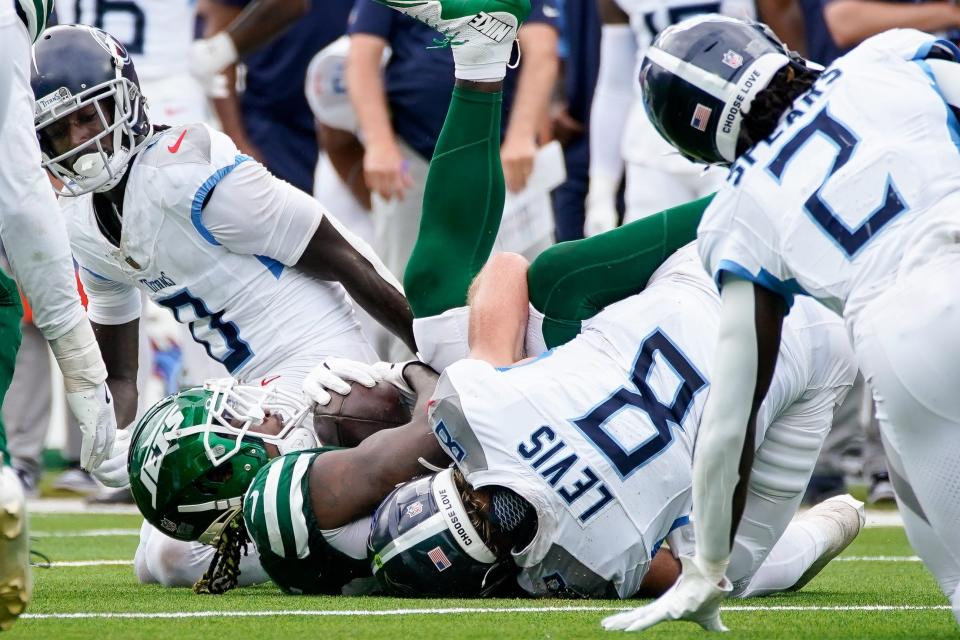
(196, 207)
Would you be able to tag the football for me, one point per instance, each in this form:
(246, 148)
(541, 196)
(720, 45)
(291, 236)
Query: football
(349, 419)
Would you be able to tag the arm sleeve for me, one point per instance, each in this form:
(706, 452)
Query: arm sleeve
(612, 101)
(252, 212)
(109, 302)
(724, 425)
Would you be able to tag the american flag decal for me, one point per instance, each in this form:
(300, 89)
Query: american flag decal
(701, 115)
(439, 559)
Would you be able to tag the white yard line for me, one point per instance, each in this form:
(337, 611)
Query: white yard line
(87, 563)
(444, 611)
(85, 533)
(66, 506)
(876, 559)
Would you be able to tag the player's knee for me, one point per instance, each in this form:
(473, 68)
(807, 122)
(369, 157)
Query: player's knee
(173, 563)
(501, 268)
(784, 462)
(141, 567)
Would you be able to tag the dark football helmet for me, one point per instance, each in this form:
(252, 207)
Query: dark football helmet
(700, 76)
(422, 543)
(76, 66)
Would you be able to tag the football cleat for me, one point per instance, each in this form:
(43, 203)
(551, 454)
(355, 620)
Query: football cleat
(481, 32)
(16, 583)
(841, 518)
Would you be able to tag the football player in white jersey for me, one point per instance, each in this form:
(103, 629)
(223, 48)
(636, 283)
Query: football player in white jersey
(656, 176)
(595, 437)
(36, 244)
(844, 187)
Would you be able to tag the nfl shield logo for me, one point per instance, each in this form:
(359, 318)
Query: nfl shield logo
(701, 116)
(733, 59)
(439, 559)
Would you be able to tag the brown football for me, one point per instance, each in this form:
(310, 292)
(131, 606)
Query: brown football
(349, 419)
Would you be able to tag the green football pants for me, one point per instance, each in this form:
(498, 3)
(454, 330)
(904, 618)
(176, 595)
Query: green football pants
(462, 208)
(11, 312)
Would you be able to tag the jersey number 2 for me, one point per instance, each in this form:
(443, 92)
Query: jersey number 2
(850, 241)
(643, 399)
(235, 353)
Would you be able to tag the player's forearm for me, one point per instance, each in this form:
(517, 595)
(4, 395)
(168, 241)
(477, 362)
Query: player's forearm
(852, 21)
(612, 100)
(723, 429)
(538, 75)
(264, 20)
(119, 346)
(335, 253)
(499, 309)
(346, 155)
(366, 89)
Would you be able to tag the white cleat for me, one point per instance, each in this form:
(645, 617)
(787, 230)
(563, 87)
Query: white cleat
(480, 32)
(841, 518)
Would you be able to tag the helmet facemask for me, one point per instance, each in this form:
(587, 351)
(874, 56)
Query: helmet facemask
(234, 409)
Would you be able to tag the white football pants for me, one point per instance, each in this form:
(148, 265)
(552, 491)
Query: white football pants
(909, 348)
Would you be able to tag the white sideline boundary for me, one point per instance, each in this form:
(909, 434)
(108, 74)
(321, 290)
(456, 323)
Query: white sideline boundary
(120, 563)
(86, 533)
(442, 611)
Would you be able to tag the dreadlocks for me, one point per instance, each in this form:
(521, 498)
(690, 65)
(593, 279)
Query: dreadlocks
(787, 85)
(224, 571)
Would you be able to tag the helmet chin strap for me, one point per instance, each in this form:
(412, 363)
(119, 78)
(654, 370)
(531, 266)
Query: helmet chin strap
(298, 439)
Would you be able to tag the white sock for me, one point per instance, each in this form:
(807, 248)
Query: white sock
(489, 72)
(799, 546)
(955, 602)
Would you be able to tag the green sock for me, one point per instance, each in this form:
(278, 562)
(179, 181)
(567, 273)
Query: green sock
(462, 205)
(573, 281)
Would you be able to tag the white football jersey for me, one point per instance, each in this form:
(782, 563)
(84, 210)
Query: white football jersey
(598, 434)
(253, 314)
(852, 189)
(156, 33)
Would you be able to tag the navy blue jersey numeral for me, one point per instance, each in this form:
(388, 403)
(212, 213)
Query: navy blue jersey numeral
(103, 7)
(235, 353)
(850, 241)
(643, 399)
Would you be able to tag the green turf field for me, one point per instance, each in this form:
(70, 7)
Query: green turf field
(878, 591)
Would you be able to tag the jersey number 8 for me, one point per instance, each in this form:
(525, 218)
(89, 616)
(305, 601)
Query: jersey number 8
(644, 399)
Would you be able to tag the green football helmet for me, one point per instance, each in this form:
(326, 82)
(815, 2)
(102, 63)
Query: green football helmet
(194, 454)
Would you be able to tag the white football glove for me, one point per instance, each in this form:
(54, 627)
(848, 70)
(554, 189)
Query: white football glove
(392, 372)
(94, 411)
(113, 472)
(693, 598)
(208, 58)
(601, 206)
(336, 374)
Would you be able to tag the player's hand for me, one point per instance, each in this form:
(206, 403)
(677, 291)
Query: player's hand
(693, 598)
(517, 155)
(601, 207)
(392, 372)
(385, 170)
(336, 374)
(113, 472)
(208, 58)
(94, 411)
